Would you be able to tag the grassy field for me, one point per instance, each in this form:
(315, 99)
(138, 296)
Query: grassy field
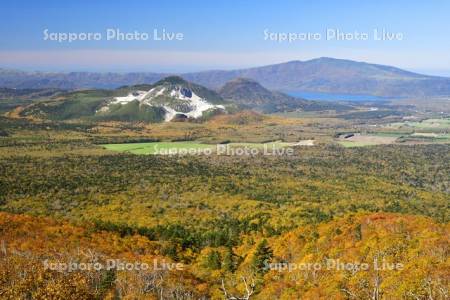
(153, 148)
(384, 139)
(432, 130)
(368, 140)
(350, 144)
(437, 124)
(187, 147)
(390, 134)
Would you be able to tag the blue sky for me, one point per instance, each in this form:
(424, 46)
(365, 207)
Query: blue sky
(221, 34)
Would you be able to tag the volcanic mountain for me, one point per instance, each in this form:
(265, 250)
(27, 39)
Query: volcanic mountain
(177, 97)
(331, 75)
(251, 95)
(168, 99)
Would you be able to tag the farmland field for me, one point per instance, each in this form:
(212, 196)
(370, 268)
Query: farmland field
(152, 148)
(367, 140)
(433, 130)
(187, 147)
(437, 124)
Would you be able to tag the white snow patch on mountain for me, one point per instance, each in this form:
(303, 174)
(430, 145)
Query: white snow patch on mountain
(170, 113)
(197, 104)
(138, 95)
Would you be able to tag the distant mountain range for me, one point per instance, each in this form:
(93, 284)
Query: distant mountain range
(327, 75)
(73, 80)
(331, 75)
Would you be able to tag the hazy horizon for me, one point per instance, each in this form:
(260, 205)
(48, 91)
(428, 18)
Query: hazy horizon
(193, 69)
(187, 37)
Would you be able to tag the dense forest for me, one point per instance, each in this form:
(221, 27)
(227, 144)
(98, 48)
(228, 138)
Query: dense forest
(391, 256)
(327, 222)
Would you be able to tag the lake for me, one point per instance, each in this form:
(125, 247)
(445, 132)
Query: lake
(335, 97)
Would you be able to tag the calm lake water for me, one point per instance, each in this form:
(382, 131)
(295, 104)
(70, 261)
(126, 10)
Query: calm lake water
(335, 97)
